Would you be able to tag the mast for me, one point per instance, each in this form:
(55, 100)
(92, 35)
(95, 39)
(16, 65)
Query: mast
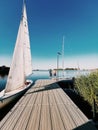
(78, 69)
(63, 57)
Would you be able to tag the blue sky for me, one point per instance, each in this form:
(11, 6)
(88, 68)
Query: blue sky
(49, 21)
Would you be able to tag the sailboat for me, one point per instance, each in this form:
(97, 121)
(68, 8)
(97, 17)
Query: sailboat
(21, 66)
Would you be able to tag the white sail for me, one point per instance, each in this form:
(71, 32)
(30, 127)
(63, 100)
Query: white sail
(21, 63)
(27, 52)
(16, 74)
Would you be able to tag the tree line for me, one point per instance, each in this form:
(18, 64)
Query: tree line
(4, 70)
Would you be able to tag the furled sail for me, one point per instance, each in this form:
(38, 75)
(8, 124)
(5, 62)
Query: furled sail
(27, 52)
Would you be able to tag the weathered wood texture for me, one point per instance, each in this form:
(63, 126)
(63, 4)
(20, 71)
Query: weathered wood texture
(44, 107)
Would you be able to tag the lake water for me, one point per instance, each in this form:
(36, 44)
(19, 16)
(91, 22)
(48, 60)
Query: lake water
(45, 75)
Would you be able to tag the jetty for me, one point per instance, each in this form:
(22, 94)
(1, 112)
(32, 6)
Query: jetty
(45, 106)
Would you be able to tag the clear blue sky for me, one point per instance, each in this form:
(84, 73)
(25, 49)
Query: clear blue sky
(48, 21)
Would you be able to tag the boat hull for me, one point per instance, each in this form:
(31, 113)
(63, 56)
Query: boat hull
(7, 99)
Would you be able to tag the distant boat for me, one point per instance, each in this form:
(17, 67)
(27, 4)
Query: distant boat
(21, 66)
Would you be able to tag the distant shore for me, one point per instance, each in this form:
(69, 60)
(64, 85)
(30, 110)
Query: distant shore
(4, 70)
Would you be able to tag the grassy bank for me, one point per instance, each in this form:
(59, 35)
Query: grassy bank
(87, 87)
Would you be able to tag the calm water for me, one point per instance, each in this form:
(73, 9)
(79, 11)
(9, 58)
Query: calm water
(73, 73)
(45, 75)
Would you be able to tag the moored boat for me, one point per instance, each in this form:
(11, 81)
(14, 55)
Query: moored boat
(21, 66)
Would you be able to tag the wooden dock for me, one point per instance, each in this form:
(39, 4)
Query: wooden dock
(45, 107)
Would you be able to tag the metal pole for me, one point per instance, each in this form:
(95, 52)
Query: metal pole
(63, 57)
(58, 64)
(94, 109)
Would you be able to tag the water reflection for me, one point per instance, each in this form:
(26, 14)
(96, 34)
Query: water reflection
(2, 82)
(73, 73)
(44, 74)
(35, 75)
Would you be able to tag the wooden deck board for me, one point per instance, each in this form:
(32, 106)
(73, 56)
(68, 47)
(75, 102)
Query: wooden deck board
(34, 120)
(45, 106)
(22, 122)
(74, 112)
(62, 109)
(57, 123)
(45, 115)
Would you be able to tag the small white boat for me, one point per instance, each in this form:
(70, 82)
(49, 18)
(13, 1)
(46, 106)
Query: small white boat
(21, 66)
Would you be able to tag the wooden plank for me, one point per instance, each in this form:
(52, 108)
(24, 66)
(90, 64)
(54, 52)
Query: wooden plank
(57, 123)
(45, 106)
(45, 123)
(22, 122)
(71, 104)
(15, 115)
(9, 114)
(34, 120)
(77, 116)
(66, 118)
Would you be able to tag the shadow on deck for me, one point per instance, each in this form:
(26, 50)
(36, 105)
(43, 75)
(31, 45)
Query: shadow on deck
(87, 126)
(45, 88)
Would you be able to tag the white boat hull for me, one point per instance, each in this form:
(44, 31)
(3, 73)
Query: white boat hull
(11, 96)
